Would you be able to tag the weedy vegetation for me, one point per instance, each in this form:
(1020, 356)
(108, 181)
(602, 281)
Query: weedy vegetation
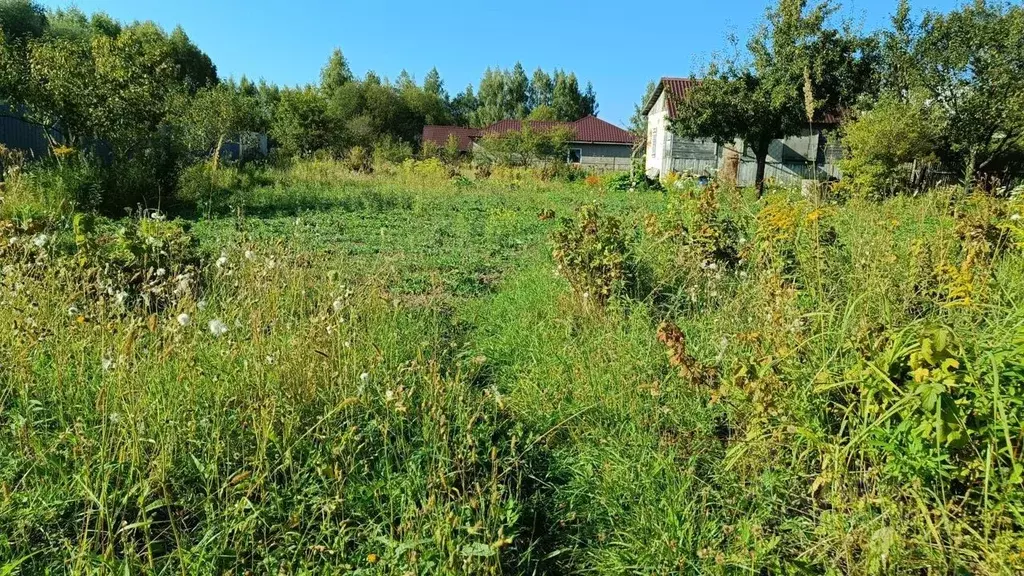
(390, 375)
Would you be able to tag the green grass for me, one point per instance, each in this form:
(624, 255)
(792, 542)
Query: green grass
(407, 385)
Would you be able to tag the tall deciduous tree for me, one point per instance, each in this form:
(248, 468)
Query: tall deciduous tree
(971, 62)
(517, 93)
(542, 89)
(796, 66)
(22, 20)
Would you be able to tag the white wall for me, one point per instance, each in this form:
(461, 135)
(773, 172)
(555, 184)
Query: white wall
(659, 147)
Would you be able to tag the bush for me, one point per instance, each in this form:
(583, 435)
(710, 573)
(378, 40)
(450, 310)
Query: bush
(358, 160)
(592, 254)
(623, 182)
(881, 144)
(388, 150)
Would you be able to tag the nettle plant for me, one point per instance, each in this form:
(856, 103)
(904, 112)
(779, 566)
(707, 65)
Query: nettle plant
(593, 255)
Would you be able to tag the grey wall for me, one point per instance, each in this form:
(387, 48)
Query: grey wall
(605, 157)
(807, 155)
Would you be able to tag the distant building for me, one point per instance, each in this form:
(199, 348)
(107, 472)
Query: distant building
(596, 145)
(809, 154)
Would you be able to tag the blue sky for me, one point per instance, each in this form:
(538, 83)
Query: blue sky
(618, 45)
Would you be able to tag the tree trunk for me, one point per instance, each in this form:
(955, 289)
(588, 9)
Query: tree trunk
(761, 155)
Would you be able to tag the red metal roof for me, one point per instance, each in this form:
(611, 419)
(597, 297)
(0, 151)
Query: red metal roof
(439, 135)
(585, 130)
(593, 129)
(677, 88)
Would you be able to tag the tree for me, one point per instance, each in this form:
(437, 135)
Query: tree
(463, 107)
(543, 113)
(569, 103)
(22, 20)
(195, 68)
(638, 121)
(795, 68)
(336, 73)
(301, 124)
(882, 142)
(434, 85)
(216, 114)
(492, 105)
(61, 90)
(566, 98)
(589, 102)
(517, 93)
(542, 89)
(971, 64)
(527, 145)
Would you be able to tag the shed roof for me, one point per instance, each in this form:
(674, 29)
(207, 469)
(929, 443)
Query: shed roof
(589, 130)
(678, 88)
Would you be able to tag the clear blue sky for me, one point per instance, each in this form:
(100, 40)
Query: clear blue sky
(618, 45)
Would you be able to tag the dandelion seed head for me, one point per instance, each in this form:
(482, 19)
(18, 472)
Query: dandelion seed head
(1015, 217)
(218, 328)
(41, 240)
(184, 319)
(161, 272)
(338, 305)
(364, 377)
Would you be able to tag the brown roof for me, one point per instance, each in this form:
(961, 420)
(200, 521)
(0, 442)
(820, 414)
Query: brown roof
(585, 130)
(439, 135)
(677, 88)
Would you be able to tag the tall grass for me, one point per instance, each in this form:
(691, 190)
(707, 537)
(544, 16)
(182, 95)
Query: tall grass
(408, 384)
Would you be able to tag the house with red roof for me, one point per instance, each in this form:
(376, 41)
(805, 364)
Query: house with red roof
(595, 145)
(812, 153)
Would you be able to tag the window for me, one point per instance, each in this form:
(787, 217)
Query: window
(575, 155)
(654, 142)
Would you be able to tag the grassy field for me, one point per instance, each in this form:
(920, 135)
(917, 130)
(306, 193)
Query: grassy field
(332, 373)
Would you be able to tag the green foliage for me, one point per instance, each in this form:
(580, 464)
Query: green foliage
(53, 188)
(527, 146)
(358, 159)
(336, 73)
(765, 97)
(21, 20)
(882, 142)
(637, 181)
(390, 151)
(592, 254)
(969, 59)
(216, 115)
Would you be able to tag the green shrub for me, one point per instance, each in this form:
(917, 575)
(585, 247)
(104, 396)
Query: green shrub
(388, 150)
(592, 253)
(358, 159)
(882, 143)
(623, 182)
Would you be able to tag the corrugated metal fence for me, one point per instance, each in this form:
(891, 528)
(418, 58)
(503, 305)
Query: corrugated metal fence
(21, 134)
